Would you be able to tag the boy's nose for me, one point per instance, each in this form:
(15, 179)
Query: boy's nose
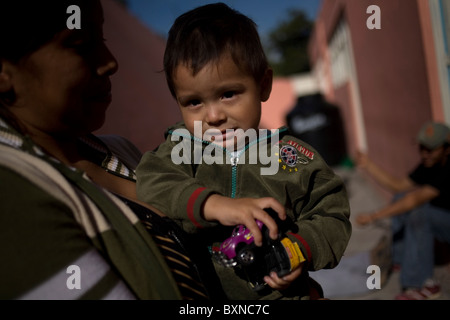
(215, 115)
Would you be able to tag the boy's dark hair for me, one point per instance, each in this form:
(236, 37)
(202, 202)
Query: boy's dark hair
(204, 34)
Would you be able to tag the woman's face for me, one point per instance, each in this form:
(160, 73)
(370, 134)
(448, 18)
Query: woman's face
(64, 87)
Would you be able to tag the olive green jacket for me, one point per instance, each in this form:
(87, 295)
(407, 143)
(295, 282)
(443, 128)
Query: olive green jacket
(183, 171)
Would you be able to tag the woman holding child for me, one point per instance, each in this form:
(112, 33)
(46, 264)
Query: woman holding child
(69, 219)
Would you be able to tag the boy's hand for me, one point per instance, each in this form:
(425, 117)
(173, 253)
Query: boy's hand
(231, 212)
(283, 283)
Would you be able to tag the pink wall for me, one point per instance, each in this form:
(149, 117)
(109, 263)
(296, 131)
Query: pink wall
(392, 80)
(142, 106)
(282, 100)
(392, 77)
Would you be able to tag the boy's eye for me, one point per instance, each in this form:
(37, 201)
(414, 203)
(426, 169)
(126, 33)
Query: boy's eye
(228, 94)
(193, 103)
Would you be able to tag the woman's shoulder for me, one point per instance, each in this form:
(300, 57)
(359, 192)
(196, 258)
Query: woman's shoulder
(122, 148)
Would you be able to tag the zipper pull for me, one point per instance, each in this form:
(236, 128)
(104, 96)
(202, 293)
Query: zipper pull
(234, 161)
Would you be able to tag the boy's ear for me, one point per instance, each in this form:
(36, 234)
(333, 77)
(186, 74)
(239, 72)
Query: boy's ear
(266, 85)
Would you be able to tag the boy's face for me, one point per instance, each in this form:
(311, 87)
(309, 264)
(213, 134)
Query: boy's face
(221, 96)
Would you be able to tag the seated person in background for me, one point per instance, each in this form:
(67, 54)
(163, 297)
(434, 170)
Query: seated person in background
(420, 212)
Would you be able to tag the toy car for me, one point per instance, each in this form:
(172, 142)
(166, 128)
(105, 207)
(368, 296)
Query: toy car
(232, 249)
(239, 251)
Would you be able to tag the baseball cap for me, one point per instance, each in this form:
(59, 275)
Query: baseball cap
(433, 135)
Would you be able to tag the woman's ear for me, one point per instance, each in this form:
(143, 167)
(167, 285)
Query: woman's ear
(266, 85)
(5, 78)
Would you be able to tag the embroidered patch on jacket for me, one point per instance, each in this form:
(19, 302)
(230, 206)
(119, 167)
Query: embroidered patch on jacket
(301, 149)
(292, 154)
(288, 155)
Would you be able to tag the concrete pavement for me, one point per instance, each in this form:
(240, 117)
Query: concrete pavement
(368, 246)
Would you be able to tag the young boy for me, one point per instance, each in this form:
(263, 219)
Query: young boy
(205, 175)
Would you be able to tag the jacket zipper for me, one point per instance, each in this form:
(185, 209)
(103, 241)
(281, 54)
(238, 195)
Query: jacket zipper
(234, 163)
(234, 159)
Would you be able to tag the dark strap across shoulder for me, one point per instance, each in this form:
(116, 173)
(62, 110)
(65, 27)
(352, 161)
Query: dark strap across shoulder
(164, 233)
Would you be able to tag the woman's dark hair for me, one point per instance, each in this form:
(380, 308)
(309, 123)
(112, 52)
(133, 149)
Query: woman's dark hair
(204, 34)
(25, 26)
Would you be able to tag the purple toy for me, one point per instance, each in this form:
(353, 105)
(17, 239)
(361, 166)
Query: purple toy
(230, 248)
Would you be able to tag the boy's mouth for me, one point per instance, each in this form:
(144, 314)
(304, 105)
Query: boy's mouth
(230, 137)
(218, 136)
(228, 134)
